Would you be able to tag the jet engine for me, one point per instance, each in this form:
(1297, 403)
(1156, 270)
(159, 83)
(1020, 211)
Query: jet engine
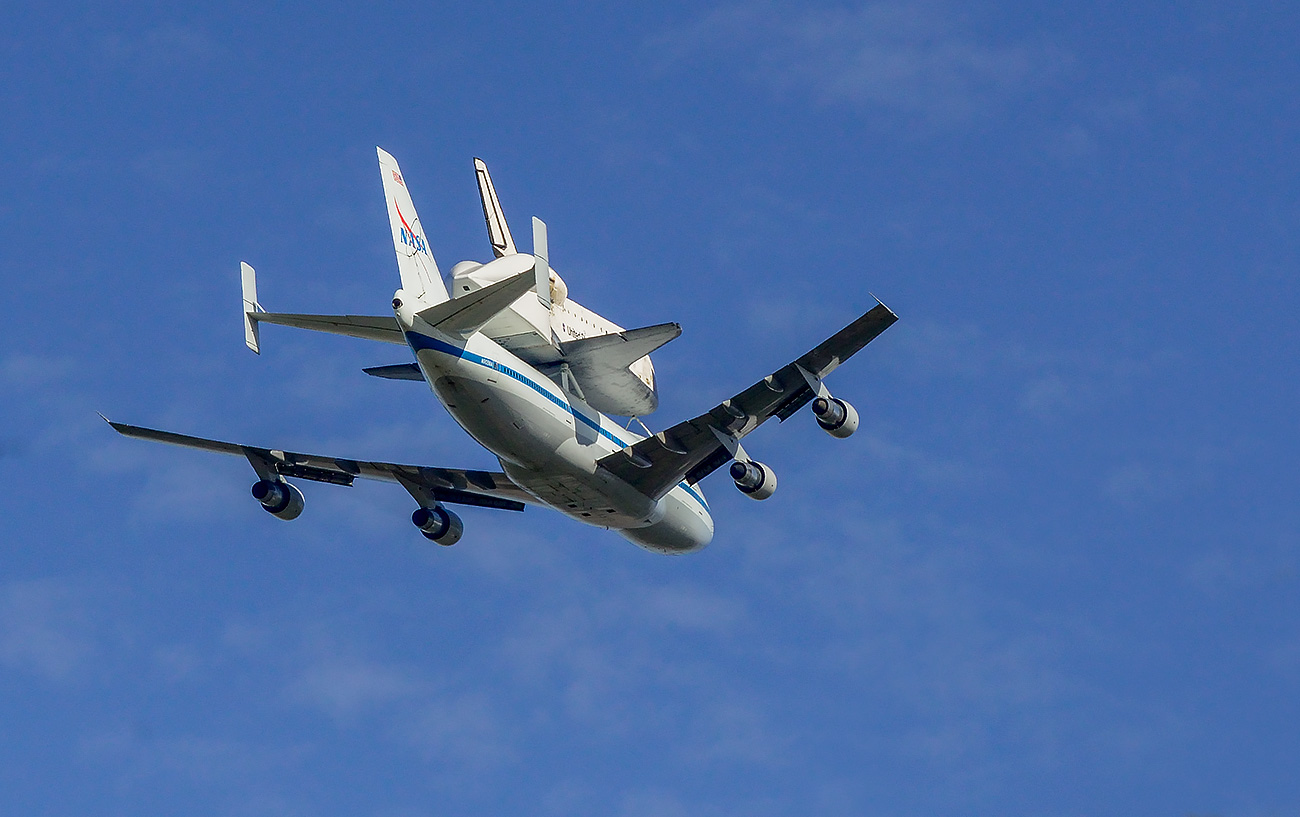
(279, 498)
(438, 525)
(836, 417)
(754, 479)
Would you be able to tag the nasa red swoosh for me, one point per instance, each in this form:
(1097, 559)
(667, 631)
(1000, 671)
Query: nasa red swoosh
(399, 215)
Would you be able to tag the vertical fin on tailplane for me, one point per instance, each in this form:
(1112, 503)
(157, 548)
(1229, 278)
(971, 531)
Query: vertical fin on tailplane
(498, 230)
(248, 280)
(420, 276)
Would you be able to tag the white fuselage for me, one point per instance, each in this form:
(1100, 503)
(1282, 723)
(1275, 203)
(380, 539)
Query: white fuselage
(548, 440)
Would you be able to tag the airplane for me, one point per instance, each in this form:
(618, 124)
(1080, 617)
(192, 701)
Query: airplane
(534, 377)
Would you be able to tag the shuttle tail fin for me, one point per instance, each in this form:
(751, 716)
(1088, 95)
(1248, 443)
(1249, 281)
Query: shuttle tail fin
(498, 230)
(420, 276)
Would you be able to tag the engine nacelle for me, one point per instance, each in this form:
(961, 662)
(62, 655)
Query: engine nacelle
(754, 479)
(438, 525)
(836, 417)
(280, 499)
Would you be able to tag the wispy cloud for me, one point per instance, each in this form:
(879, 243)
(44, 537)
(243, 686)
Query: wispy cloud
(45, 628)
(241, 773)
(653, 803)
(1045, 383)
(465, 725)
(1164, 476)
(918, 59)
(1138, 484)
(736, 730)
(23, 370)
(691, 608)
(162, 46)
(901, 616)
(424, 708)
(343, 684)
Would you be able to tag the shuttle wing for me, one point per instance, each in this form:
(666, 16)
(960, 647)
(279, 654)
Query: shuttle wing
(618, 350)
(694, 449)
(486, 489)
(601, 366)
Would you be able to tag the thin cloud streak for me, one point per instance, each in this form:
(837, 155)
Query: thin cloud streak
(912, 59)
(45, 628)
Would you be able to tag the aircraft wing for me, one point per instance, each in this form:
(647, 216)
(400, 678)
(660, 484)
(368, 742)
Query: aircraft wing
(694, 449)
(485, 489)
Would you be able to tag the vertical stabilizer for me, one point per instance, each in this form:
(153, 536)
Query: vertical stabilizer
(420, 276)
(248, 278)
(498, 230)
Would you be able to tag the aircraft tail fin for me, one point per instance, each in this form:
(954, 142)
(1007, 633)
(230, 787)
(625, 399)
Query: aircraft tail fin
(420, 276)
(498, 231)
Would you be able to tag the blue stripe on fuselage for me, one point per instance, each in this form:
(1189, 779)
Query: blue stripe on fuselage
(419, 342)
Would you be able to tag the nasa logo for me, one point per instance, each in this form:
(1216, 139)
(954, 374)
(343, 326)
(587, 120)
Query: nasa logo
(409, 237)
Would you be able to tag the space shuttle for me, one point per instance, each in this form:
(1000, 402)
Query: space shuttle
(605, 365)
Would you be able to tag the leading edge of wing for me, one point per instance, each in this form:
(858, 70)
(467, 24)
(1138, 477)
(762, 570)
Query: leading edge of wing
(456, 486)
(691, 450)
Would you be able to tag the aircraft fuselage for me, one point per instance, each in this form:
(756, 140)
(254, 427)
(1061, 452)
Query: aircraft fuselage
(548, 440)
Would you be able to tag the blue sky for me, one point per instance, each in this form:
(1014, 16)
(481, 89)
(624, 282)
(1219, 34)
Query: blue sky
(1055, 573)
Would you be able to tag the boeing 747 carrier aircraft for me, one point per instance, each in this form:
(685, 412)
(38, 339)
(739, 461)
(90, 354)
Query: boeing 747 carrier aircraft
(534, 376)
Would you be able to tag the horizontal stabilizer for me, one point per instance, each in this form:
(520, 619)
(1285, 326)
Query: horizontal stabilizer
(385, 328)
(465, 315)
(618, 350)
(401, 371)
